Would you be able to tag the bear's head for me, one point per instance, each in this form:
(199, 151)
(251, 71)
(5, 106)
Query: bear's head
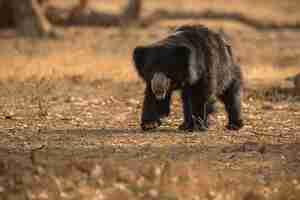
(162, 66)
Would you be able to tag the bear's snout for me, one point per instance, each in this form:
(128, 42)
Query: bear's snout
(160, 84)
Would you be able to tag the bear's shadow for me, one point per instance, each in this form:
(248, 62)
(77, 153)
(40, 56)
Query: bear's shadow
(109, 131)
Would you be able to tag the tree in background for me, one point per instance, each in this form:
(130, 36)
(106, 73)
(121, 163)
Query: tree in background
(27, 16)
(35, 18)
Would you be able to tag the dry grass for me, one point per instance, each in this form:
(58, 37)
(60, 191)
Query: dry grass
(268, 75)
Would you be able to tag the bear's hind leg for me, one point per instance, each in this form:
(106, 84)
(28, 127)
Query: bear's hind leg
(188, 123)
(199, 110)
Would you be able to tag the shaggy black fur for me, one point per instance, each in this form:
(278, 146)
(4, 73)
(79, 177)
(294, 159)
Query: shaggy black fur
(200, 63)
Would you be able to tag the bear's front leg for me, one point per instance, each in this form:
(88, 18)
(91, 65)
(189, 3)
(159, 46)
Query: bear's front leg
(163, 106)
(150, 115)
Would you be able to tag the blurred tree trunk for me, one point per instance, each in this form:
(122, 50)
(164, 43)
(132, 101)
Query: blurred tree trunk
(132, 11)
(27, 16)
(79, 8)
(6, 14)
(82, 15)
(263, 25)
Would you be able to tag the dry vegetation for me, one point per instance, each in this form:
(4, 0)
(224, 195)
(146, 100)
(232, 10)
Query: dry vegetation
(69, 116)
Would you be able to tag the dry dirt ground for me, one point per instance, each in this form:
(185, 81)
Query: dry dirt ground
(69, 116)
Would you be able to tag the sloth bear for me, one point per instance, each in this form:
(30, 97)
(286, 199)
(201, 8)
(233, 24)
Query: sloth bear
(197, 61)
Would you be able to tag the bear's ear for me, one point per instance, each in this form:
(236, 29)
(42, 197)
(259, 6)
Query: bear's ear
(139, 54)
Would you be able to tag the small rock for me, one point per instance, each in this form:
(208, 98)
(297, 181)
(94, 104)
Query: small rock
(96, 171)
(153, 193)
(267, 106)
(133, 101)
(9, 115)
(262, 148)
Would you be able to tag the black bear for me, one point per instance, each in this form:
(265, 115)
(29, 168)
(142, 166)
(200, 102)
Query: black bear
(200, 63)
